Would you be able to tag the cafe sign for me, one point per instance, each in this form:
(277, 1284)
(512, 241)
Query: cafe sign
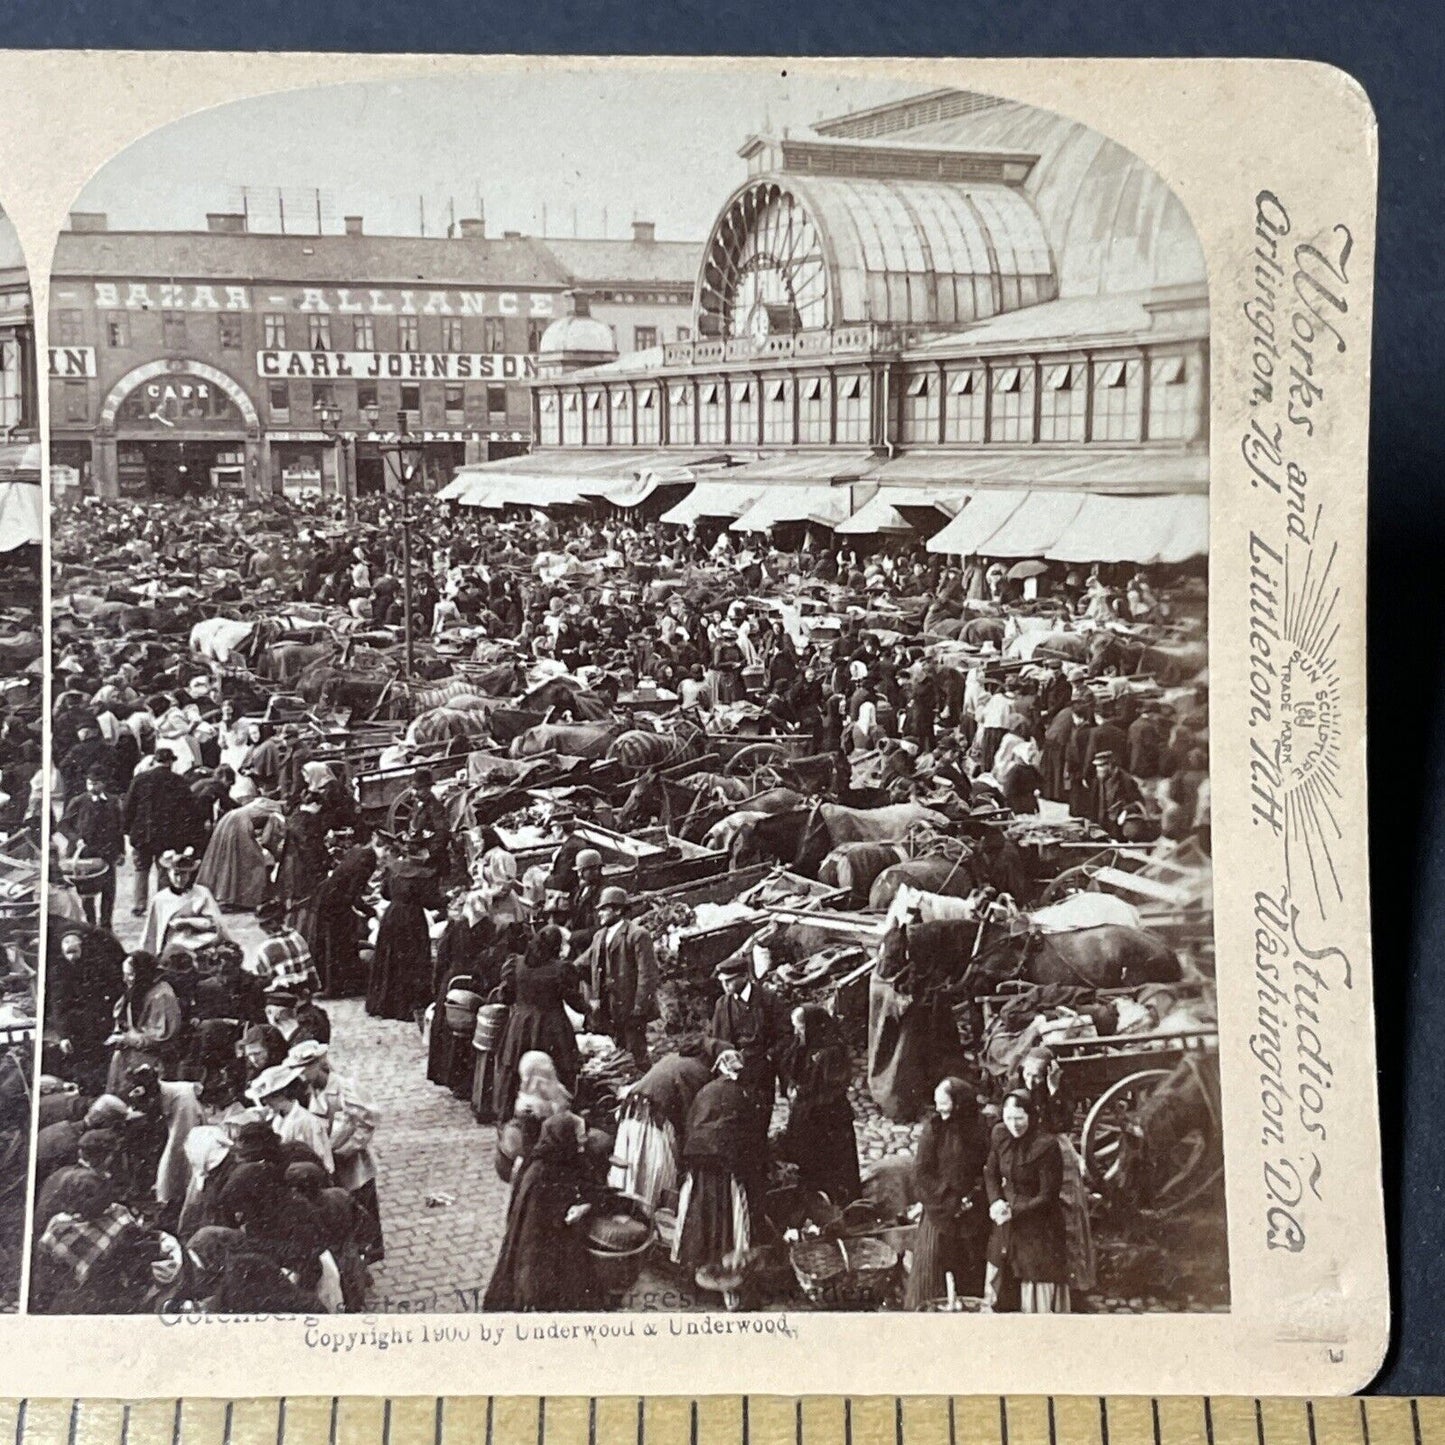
(398, 365)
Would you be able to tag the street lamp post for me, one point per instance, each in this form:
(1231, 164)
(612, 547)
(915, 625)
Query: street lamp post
(328, 414)
(403, 457)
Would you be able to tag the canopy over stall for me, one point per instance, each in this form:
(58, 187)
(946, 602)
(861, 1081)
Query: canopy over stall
(542, 479)
(985, 513)
(902, 511)
(1068, 526)
(713, 499)
(21, 515)
(827, 506)
(1145, 530)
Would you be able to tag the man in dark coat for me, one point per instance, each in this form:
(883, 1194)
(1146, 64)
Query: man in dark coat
(92, 822)
(623, 975)
(753, 1020)
(159, 813)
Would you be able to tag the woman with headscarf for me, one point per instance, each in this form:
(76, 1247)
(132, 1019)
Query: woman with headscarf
(500, 893)
(652, 1123)
(952, 1216)
(340, 905)
(539, 987)
(238, 860)
(464, 960)
(304, 863)
(338, 807)
(819, 1138)
(540, 1095)
(148, 1022)
(724, 1184)
(1027, 1250)
(401, 966)
(544, 1264)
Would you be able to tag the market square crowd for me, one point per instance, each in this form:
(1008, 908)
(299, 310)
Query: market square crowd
(202, 1145)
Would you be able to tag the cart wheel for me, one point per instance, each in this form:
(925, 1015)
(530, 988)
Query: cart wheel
(1079, 878)
(1106, 1121)
(746, 760)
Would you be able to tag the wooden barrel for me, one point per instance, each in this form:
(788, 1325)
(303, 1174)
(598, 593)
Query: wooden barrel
(491, 1020)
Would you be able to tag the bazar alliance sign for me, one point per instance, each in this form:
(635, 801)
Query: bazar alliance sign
(343, 300)
(398, 365)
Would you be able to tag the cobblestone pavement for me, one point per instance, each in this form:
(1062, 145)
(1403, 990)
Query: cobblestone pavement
(440, 1256)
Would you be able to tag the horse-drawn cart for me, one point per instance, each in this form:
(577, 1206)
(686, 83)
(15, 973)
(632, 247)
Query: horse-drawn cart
(1156, 1097)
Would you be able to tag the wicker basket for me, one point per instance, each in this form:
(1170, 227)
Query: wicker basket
(844, 1272)
(462, 1006)
(617, 1271)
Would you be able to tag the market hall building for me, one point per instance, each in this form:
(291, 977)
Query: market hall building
(951, 315)
(277, 363)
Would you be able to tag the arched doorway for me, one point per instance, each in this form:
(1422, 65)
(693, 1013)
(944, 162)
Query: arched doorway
(180, 428)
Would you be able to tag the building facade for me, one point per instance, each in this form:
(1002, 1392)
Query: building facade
(952, 292)
(19, 420)
(180, 361)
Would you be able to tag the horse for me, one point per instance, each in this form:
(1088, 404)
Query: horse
(449, 724)
(981, 955)
(855, 866)
(219, 639)
(803, 837)
(676, 802)
(639, 748)
(577, 740)
(562, 697)
(939, 876)
(457, 692)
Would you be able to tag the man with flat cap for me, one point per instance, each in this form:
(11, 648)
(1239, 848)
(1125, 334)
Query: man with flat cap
(754, 1020)
(622, 970)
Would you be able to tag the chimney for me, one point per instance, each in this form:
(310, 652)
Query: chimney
(511, 235)
(473, 228)
(89, 221)
(226, 223)
(353, 225)
(644, 233)
(579, 303)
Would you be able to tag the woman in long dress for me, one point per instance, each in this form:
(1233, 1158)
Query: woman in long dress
(953, 1148)
(303, 867)
(819, 1138)
(544, 1264)
(336, 947)
(1028, 1266)
(242, 852)
(538, 986)
(147, 1022)
(465, 951)
(723, 1188)
(401, 968)
(652, 1124)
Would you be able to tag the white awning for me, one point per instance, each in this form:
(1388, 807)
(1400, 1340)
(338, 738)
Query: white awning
(1136, 529)
(985, 513)
(1033, 528)
(827, 506)
(21, 518)
(713, 499)
(882, 513)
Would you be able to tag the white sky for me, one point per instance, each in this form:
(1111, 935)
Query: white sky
(10, 253)
(651, 146)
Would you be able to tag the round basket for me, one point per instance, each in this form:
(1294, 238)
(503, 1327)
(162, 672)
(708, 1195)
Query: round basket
(856, 1271)
(462, 1005)
(617, 1270)
(487, 1032)
(80, 870)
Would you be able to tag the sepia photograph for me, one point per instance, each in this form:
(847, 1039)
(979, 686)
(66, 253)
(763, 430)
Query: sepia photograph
(22, 776)
(630, 710)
